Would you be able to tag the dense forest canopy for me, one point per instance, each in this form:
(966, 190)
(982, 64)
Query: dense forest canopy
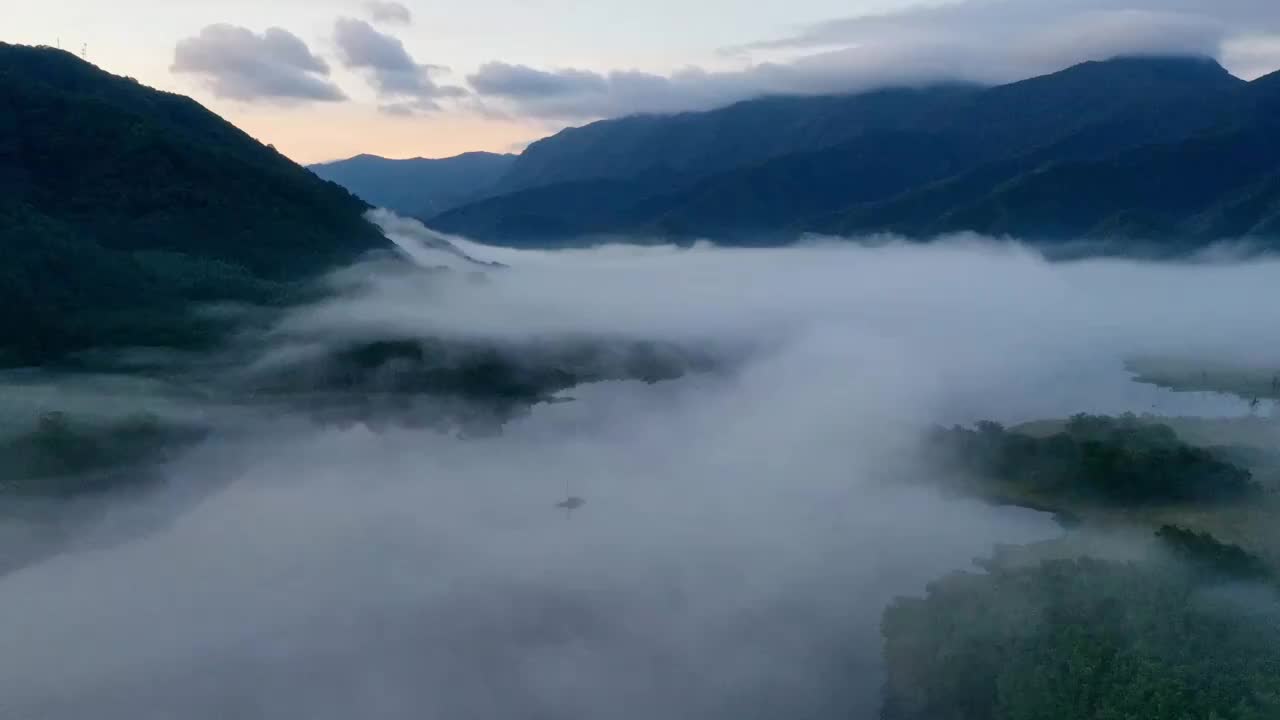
(1077, 639)
(1182, 626)
(1115, 460)
(122, 207)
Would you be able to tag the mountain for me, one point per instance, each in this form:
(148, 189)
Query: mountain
(889, 160)
(121, 207)
(1267, 90)
(747, 202)
(1020, 115)
(694, 145)
(418, 187)
(1212, 179)
(551, 215)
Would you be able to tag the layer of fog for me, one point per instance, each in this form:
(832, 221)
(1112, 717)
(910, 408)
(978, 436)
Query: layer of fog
(744, 526)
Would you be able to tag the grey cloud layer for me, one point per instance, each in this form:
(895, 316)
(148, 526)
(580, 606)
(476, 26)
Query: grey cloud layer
(392, 13)
(1004, 18)
(394, 74)
(239, 64)
(577, 94)
(521, 81)
(986, 41)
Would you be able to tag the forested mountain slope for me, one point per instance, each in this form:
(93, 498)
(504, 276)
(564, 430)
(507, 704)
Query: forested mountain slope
(122, 206)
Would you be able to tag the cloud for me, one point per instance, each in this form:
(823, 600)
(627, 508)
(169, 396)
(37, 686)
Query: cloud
(745, 527)
(982, 41)
(391, 13)
(1004, 20)
(395, 75)
(571, 94)
(1253, 56)
(241, 65)
(523, 82)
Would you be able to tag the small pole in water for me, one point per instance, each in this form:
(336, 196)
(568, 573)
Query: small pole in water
(570, 505)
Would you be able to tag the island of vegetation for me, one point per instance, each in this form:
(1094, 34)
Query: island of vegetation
(1169, 623)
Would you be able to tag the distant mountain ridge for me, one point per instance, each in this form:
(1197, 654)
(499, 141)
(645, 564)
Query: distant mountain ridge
(699, 144)
(122, 208)
(1184, 185)
(418, 187)
(917, 161)
(754, 131)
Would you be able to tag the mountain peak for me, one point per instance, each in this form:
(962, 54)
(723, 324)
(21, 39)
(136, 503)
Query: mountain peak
(418, 186)
(1268, 81)
(1158, 60)
(1163, 69)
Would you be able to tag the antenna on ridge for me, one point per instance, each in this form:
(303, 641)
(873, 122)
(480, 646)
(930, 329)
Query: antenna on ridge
(84, 51)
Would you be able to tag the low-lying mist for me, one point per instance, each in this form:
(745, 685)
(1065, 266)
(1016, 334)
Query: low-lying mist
(750, 502)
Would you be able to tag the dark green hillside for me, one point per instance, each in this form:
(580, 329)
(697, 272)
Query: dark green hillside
(1121, 462)
(1067, 640)
(1105, 621)
(121, 205)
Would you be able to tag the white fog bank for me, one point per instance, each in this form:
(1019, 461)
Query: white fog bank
(744, 527)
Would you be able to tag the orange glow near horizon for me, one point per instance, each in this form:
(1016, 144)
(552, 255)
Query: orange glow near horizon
(320, 133)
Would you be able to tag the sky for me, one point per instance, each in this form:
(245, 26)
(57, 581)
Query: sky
(326, 79)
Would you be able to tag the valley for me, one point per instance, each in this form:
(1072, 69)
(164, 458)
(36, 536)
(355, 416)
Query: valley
(937, 398)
